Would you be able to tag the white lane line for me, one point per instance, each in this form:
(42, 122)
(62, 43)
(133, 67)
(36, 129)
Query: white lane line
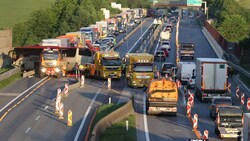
(38, 117)
(139, 38)
(145, 119)
(21, 94)
(85, 116)
(157, 45)
(46, 108)
(27, 130)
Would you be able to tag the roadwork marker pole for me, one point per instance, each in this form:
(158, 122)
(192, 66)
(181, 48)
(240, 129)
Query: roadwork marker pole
(70, 118)
(158, 74)
(66, 90)
(242, 100)
(237, 91)
(82, 81)
(248, 104)
(205, 135)
(195, 121)
(58, 101)
(109, 83)
(61, 111)
(188, 109)
(178, 83)
(229, 87)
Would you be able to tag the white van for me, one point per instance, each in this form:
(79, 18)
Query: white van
(185, 70)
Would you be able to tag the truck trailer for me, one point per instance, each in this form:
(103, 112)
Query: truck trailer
(162, 97)
(211, 78)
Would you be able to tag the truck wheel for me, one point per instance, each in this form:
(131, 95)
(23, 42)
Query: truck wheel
(99, 76)
(42, 75)
(216, 130)
(59, 75)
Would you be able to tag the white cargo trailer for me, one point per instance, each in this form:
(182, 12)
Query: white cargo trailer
(185, 70)
(62, 42)
(211, 78)
(246, 127)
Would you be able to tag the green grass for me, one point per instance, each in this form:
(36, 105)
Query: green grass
(103, 111)
(7, 81)
(245, 3)
(5, 69)
(15, 11)
(118, 131)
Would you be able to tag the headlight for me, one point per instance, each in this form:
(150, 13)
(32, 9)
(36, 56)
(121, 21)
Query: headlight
(43, 69)
(54, 63)
(57, 70)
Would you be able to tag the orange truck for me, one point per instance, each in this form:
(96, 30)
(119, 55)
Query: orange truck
(162, 97)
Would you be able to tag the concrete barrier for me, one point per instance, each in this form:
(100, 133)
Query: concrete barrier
(113, 117)
(10, 73)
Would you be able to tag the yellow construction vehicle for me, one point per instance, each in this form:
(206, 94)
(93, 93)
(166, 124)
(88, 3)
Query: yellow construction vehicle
(139, 69)
(162, 97)
(106, 64)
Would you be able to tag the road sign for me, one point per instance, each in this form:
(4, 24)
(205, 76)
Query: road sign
(194, 2)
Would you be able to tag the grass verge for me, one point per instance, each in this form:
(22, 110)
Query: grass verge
(5, 69)
(118, 131)
(7, 81)
(103, 111)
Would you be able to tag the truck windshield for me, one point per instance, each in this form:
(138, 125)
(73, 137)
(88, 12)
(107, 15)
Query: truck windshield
(111, 24)
(139, 67)
(88, 36)
(187, 47)
(111, 62)
(50, 56)
(232, 121)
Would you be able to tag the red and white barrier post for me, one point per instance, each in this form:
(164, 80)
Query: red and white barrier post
(58, 100)
(242, 100)
(166, 75)
(248, 104)
(191, 98)
(205, 135)
(82, 80)
(178, 83)
(61, 111)
(66, 89)
(195, 121)
(237, 91)
(229, 87)
(188, 108)
(109, 83)
(158, 74)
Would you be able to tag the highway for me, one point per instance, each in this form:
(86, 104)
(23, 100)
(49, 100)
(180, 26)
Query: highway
(34, 117)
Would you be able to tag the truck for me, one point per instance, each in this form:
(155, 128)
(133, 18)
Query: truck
(165, 35)
(229, 121)
(162, 97)
(104, 24)
(246, 127)
(62, 42)
(139, 69)
(211, 78)
(187, 50)
(112, 26)
(106, 64)
(185, 70)
(90, 34)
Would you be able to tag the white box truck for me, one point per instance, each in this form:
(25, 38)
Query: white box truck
(62, 42)
(211, 78)
(246, 127)
(185, 70)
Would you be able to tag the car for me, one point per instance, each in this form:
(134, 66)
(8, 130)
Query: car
(166, 68)
(219, 101)
(131, 23)
(165, 51)
(165, 44)
(159, 55)
(122, 29)
(137, 20)
(109, 41)
(112, 38)
(191, 80)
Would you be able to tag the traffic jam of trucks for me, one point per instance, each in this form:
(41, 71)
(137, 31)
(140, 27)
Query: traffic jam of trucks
(91, 52)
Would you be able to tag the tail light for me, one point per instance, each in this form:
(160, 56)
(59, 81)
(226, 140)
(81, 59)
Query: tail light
(242, 120)
(164, 69)
(204, 95)
(218, 119)
(190, 81)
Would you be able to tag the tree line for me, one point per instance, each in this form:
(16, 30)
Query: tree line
(65, 16)
(232, 20)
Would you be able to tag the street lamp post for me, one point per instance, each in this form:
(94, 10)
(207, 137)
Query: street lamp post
(206, 8)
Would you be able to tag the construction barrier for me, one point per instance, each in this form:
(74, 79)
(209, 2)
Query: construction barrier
(248, 104)
(61, 111)
(70, 123)
(229, 87)
(188, 108)
(237, 91)
(178, 83)
(185, 90)
(58, 100)
(66, 89)
(195, 121)
(82, 80)
(109, 83)
(242, 100)
(166, 75)
(205, 135)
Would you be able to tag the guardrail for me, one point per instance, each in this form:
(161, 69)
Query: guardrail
(113, 117)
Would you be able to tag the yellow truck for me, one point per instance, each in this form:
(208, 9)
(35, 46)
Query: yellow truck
(106, 64)
(162, 97)
(139, 69)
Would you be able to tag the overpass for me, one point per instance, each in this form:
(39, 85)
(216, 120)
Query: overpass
(176, 3)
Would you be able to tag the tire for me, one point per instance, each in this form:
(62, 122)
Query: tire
(99, 76)
(42, 75)
(59, 75)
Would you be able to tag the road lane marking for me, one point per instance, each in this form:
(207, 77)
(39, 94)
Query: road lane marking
(46, 108)
(85, 116)
(145, 119)
(27, 131)
(140, 38)
(42, 82)
(38, 117)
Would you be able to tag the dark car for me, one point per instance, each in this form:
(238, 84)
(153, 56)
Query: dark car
(166, 68)
(165, 51)
(159, 55)
(218, 102)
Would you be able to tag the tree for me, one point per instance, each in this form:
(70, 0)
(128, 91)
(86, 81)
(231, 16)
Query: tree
(234, 28)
